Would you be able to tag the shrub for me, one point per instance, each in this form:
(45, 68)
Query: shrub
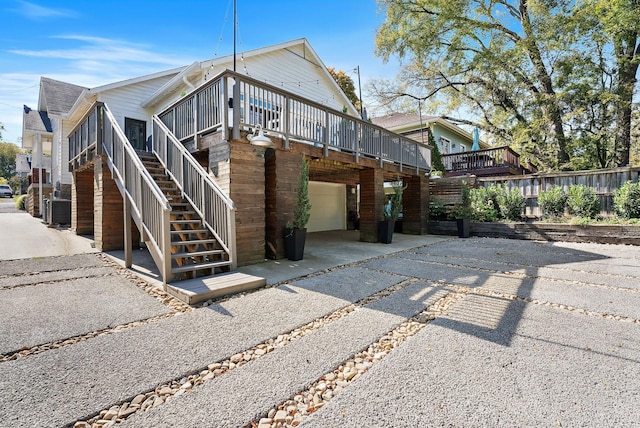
(437, 210)
(20, 202)
(582, 201)
(626, 200)
(511, 203)
(463, 210)
(553, 202)
(483, 204)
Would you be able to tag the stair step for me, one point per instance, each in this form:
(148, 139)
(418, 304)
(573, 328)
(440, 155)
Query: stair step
(200, 266)
(184, 213)
(194, 242)
(197, 290)
(188, 221)
(197, 253)
(188, 231)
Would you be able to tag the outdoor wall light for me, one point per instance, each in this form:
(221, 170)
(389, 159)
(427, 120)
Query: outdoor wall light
(260, 139)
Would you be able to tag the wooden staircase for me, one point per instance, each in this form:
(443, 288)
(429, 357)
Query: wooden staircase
(200, 267)
(195, 252)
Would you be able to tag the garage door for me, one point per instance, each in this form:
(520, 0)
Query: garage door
(328, 206)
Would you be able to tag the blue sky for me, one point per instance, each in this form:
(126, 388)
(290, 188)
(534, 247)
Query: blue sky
(91, 43)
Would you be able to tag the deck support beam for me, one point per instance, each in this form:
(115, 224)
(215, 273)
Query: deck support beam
(371, 203)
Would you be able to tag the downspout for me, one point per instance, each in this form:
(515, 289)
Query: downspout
(186, 82)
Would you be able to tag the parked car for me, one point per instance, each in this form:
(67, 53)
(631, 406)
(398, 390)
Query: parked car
(5, 191)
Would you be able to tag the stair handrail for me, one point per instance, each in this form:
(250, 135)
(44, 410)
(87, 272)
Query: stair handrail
(150, 208)
(210, 202)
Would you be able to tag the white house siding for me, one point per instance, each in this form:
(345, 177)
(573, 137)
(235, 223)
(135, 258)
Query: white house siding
(284, 69)
(65, 176)
(328, 206)
(125, 101)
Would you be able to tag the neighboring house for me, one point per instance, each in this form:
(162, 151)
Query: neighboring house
(456, 146)
(449, 137)
(170, 159)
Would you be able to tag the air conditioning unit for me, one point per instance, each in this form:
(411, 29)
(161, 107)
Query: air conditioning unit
(58, 211)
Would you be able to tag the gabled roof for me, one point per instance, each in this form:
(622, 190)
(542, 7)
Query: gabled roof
(34, 120)
(138, 79)
(401, 120)
(405, 122)
(225, 63)
(56, 97)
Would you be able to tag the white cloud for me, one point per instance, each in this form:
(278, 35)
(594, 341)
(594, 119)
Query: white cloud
(97, 49)
(37, 12)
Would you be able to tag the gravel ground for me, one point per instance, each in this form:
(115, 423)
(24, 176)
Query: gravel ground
(59, 386)
(286, 371)
(537, 367)
(529, 334)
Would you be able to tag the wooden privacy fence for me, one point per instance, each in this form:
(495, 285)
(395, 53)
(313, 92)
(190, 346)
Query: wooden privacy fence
(604, 181)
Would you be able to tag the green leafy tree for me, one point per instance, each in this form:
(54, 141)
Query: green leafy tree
(8, 154)
(491, 57)
(619, 21)
(554, 80)
(346, 84)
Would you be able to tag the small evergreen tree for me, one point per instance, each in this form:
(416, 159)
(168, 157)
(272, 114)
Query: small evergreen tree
(436, 157)
(302, 211)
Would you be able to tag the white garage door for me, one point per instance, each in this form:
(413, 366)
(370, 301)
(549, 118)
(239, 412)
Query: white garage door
(328, 206)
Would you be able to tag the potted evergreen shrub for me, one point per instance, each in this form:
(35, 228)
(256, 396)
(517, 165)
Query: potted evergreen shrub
(391, 212)
(295, 232)
(463, 212)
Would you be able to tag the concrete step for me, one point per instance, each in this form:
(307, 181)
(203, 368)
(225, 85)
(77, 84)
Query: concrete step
(197, 290)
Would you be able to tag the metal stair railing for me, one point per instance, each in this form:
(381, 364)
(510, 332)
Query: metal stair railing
(210, 202)
(150, 209)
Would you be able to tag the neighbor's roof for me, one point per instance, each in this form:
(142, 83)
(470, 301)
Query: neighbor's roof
(56, 97)
(406, 122)
(397, 120)
(34, 120)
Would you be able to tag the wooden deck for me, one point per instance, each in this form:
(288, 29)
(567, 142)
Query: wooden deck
(198, 290)
(496, 161)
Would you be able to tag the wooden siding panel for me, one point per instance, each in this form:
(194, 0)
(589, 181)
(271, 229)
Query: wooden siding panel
(247, 184)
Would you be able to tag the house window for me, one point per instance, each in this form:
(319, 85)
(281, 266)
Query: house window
(445, 145)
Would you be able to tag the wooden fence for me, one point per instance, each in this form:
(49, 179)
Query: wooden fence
(603, 181)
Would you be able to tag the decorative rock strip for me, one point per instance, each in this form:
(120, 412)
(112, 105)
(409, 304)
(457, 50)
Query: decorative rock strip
(163, 393)
(292, 412)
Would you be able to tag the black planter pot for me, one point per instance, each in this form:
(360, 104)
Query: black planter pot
(385, 231)
(464, 227)
(294, 243)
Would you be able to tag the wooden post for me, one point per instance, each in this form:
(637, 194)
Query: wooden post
(371, 203)
(415, 205)
(128, 250)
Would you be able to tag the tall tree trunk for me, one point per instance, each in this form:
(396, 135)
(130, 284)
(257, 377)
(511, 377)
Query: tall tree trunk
(627, 51)
(550, 106)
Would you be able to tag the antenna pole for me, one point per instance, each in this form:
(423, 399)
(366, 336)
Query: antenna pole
(235, 23)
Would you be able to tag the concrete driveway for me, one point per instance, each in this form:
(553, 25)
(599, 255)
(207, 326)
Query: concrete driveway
(23, 236)
(448, 332)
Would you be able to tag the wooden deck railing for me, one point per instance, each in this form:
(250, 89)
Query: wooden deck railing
(99, 133)
(211, 203)
(233, 101)
(495, 159)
